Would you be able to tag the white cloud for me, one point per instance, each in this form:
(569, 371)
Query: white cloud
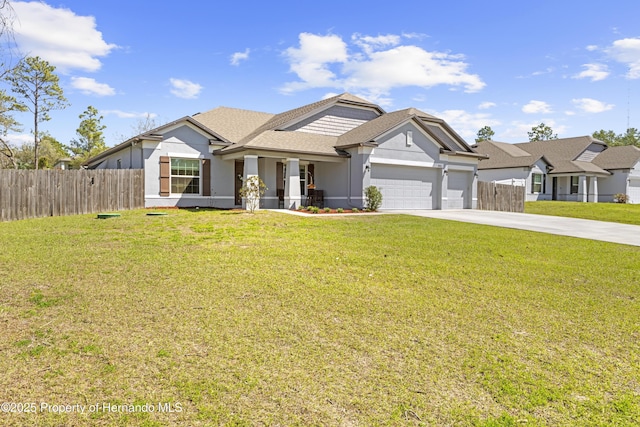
(466, 124)
(594, 72)
(312, 59)
(128, 114)
(627, 51)
(592, 47)
(536, 107)
(589, 105)
(238, 57)
(369, 43)
(518, 131)
(185, 89)
(19, 139)
(89, 86)
(486, 105)
(59, 36)
(378, 65)
(547, 70)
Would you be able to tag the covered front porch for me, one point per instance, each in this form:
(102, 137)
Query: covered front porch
(575, 188)
(293, 180)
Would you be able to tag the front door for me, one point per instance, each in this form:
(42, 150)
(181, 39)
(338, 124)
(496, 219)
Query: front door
(237, 178)
(554, 194)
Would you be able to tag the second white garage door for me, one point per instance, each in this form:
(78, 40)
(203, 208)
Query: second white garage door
(634, 190)
(405, 187)
(459, 190)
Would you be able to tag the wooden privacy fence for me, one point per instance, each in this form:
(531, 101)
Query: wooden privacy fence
(500, 197)
(32, 194)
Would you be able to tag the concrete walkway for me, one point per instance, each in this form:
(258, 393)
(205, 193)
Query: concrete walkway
(583, 228)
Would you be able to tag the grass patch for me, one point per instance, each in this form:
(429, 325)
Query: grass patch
(273, 319)
(611, 212)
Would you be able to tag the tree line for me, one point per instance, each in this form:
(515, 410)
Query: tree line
(32, 86)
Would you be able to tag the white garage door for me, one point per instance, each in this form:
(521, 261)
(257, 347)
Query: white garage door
(405, 187)
(459, 190)
(634, 191)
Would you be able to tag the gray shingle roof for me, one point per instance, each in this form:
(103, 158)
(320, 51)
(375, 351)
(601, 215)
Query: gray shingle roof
(503, 155)
(575, 166)
(243, 129)
(155, 134)
(438, 129)
(280, 120)
(561, 154)
(297, 142)
(556, 150)
(233, 123)
(625, 157)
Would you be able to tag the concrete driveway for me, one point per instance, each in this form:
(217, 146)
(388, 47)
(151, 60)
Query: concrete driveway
(583, 228)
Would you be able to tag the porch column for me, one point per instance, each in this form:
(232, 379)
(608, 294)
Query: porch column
(593, 189)
(444, 201)
(582, 189)
(250, 169)
(292, 197)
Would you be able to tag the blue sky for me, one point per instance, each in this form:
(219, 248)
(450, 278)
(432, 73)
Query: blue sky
(506, 64)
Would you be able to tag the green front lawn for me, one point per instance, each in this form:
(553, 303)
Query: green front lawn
(611, 212)
(228, 318)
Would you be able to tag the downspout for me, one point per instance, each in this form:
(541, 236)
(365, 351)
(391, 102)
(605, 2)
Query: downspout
(349, 195)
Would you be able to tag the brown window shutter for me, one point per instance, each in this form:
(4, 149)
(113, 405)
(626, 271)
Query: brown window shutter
(279, 176)
(165, 171)
(206, 177)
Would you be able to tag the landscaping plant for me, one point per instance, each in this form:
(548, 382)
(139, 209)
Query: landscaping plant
(373, 198)
(252, 189)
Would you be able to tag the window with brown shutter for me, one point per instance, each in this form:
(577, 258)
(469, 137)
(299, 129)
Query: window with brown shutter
(165, 170)
(279, 176)
(206, 177)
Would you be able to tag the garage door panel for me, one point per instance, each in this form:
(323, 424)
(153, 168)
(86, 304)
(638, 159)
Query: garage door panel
(405, 187)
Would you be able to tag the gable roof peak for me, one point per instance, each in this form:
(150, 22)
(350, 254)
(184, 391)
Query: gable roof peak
(346, 96)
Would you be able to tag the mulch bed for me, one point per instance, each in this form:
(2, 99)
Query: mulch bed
(332, 211)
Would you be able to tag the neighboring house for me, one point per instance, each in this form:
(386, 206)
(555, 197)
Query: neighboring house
(580, 169)
(332, 150)
(62, 164)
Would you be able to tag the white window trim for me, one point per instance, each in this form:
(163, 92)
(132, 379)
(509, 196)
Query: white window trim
(533, 183)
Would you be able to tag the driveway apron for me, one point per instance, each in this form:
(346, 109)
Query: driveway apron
(574, 227)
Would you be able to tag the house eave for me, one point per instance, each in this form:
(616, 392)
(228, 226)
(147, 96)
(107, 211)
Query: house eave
(234, 150)
(463, 153)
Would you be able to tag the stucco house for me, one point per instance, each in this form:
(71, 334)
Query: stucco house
(326, 153)
(580, 169)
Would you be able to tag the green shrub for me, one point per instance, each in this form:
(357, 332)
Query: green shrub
(309, 208)
(315, 209)
(339, 210)
(355, 210)
(327, 210)
(301, 208)
(373, 198)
